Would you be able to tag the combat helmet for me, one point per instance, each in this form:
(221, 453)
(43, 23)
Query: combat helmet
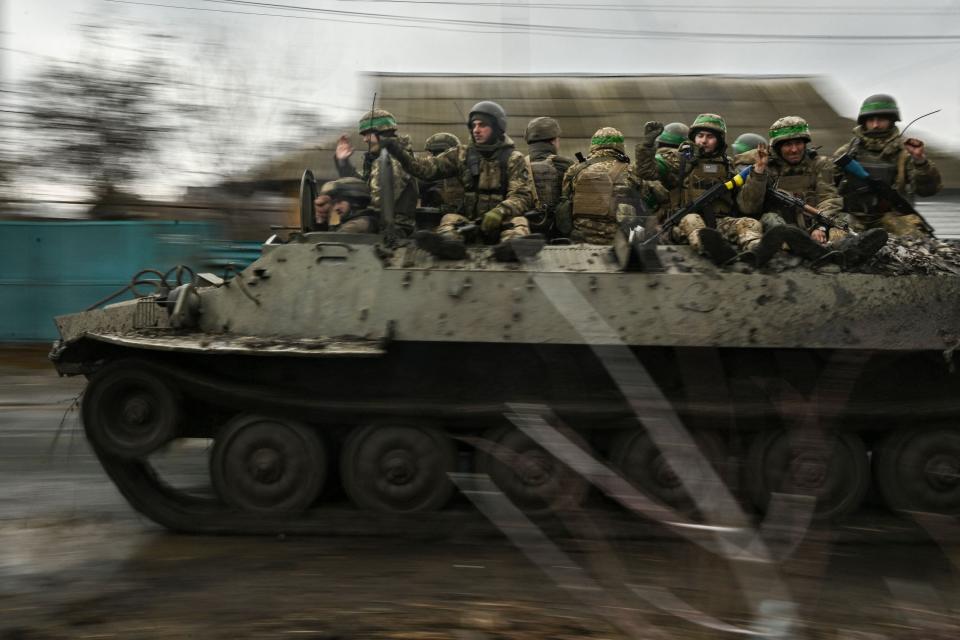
(440, 142)
(354, 190)
(491, 110)
(789, 128)
(673, 135)
(378, 121)
(542, 128)
(709, 122)
(879, 104)
(607, 138)
(747, 142)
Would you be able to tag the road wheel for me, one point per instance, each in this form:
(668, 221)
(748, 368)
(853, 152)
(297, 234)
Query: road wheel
(268, 465)
(644, 465)
(919, 470)
(829, 467)
(398, 468)
(532, 478)
(130, 409)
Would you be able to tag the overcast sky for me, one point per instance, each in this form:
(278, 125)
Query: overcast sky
(311, 50)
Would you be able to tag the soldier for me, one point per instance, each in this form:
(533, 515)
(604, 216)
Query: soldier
(375, 126)
(497, 186)
(788, 165)
(600, 192)
(674, 134)
(447, 194)
(902, 164)
(350, 205)
(691, 170)
(322, 206)
(747, 142)
(547, 168)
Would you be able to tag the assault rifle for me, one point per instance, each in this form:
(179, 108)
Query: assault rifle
(881, 189)
(697, 205)
(811, 212)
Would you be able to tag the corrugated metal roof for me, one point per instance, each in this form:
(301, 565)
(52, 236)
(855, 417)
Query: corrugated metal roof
(427, 103)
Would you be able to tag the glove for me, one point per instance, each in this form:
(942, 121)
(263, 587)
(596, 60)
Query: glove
(651, 131)
(392, 145)
(491, 221)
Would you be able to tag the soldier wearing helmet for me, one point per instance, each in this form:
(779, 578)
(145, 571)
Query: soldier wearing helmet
(673, 135)
(601, 192)
(349, 207)
(689, 171)
(322, 206)
(375, 126)
(744, 143)
(497, 186)
(901, 163)
(789, 165)
(547, 167)
(447, 194)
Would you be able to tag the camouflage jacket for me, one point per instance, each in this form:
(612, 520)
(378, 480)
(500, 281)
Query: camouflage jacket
(810, 179)
(700, 173)
(493, 177)
(405, 191)
(885, 158)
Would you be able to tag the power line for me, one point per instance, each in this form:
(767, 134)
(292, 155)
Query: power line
(674, 8)
(570, 31)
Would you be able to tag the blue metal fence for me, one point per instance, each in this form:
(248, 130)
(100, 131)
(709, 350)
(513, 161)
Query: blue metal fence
(57, 267)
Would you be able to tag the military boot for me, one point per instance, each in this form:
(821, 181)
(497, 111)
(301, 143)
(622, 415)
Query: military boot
(521, 248)
(801, 244)
(770, 243)
(440, 245)
(860, 248)
(716, 247)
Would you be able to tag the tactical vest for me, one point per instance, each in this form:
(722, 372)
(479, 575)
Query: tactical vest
(703, 173)
(486, 181)
(803, 185)
(887, 165)
(594, 189)
(548, 182)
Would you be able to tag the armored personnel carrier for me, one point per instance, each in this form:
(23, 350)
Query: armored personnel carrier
(361, 372)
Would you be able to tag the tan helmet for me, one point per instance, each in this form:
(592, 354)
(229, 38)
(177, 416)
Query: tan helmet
(440, 142)
(607, 138)
(542, 128)
(378, 120)
(709, 122)
(789, 128)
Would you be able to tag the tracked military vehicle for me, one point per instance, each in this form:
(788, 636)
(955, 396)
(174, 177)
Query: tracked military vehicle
(353, 374)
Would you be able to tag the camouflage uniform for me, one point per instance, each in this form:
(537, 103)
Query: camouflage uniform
(687, 178)
(494, 177)
(405, 190)
(447, 194)
(884, 157)
(810, 179)
(598, 189)
(547, 167)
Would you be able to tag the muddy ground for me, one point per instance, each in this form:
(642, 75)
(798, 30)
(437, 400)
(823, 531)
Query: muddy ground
(77, 562)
